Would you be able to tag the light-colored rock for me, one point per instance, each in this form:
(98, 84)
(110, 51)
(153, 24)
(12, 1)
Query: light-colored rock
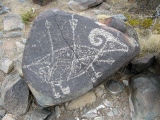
(19, 58)
(99, 91)
(12, 22)
(107, 103)
(115, 111)
(1, 53)
(110, 113)
(20, 47)
(2, 112)
(6, 65)
(19, 68)
(90, 114)
(8, 117)
(82, 101)
(57, 111)
(81, 5)
(99, 118)
(105, 6)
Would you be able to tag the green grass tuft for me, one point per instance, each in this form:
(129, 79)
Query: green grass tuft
(28, 16)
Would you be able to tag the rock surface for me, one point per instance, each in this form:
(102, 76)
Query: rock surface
(144, 97)
(81, 5)
(8, 117)
(3, 9)
(14, 93)
(141, 64)
(14, 34)
(39, 114)
(82, 101)
(12, 22)
(6, 65)
(66, 55)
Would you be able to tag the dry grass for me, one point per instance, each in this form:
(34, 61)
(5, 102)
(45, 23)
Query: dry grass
(150, 45)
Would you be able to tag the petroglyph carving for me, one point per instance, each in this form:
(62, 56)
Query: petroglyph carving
(63, 65)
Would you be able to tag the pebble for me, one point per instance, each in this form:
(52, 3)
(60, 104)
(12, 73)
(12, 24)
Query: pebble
(120, 16)
(57, 111)
(20, 47)
(3, 9)
(13, 34)
(6, 65)
(2, 112)
(8, 117)
(110, 114)
(107, 103)
(114, 87)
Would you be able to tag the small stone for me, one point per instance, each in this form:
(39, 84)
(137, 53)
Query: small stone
(15, 94)
(19, 68)
(98, 91)
(1, 42)
(19, 58)
(66, 104)
(40, 114)
(22, 1)
(107, 103)
(57, 111)
(51, 116)
(20, 47)
(120, 17)
(125, 82)
(2, 112)
(88, 98)
(6, 65)
(3, 9)
(1, 53)
(141, 64)
(115, 111)
(81, 5)
(110, 114)
(24, 41)
(99, 118)
(1, 34)
(114, 87)
(13, 34)
(12, 22)
(42, 2)
(105, 6)
(8, 117)
(90, 114)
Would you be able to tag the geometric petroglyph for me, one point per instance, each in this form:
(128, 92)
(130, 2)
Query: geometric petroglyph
(65, 64)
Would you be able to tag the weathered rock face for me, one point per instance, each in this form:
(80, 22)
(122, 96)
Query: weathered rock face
(141, 64)
(66, 55)
(12, 22)
(3, 9)
(81, 5)
(145, 99)
(15, 94)
(40, 114)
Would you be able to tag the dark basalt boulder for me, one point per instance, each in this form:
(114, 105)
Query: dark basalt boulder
(144, 96)
(67, 55)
